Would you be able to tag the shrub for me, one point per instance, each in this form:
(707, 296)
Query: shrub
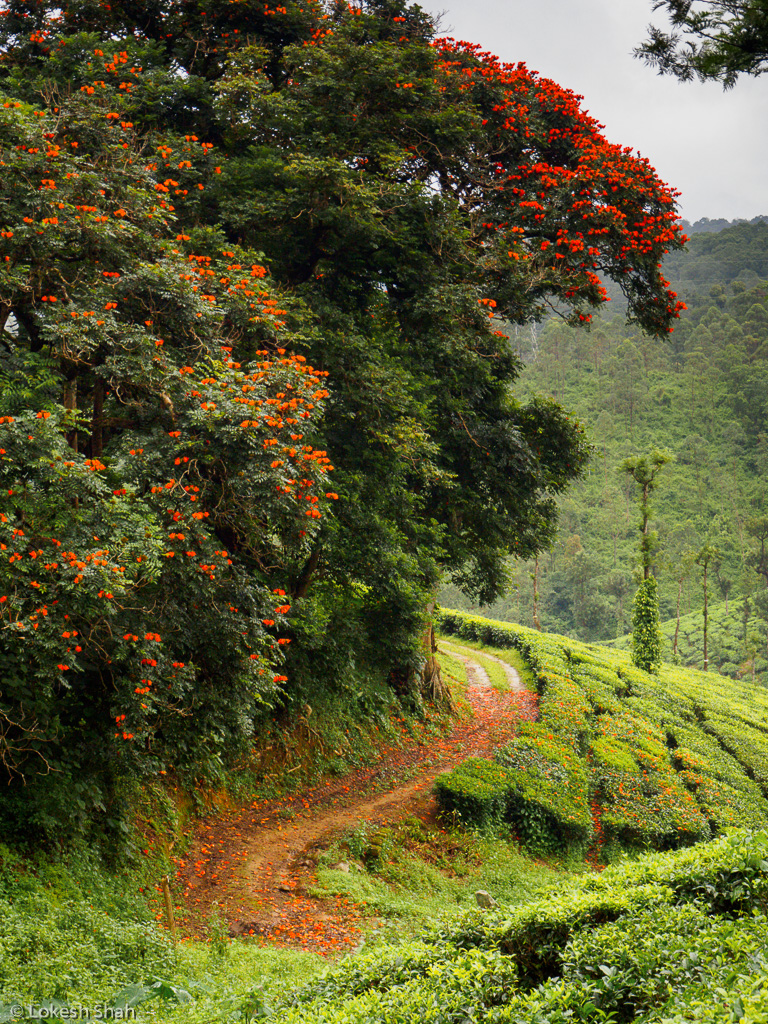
(612, 754)
(476, 792)
(549, 792)
(629, 967)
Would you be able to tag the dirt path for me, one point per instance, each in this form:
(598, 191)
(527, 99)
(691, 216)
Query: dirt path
(252, 870)
(464, 653)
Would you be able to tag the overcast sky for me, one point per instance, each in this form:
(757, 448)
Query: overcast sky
(712, 146)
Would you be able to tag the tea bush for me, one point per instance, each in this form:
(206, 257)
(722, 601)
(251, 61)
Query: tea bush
(476, 793)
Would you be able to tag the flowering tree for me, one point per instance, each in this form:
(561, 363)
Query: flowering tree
(155, 493)
(411, 197)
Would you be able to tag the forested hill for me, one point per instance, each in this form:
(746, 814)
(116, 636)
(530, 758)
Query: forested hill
(701, 394)
(737, 252)
(705, 225)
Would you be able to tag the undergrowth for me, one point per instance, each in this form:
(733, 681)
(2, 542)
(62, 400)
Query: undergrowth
(669, 938)
(408, 874)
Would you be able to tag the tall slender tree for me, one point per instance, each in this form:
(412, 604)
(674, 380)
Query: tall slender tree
(646, 633)
(644, 470)
(706, 557)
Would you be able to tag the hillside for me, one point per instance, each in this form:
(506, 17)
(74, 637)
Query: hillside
(700, 395)
(706, 225)
(619, 759)
(617, 762)
(684, 640)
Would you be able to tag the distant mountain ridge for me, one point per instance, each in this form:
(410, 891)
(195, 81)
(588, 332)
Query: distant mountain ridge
(705, 224)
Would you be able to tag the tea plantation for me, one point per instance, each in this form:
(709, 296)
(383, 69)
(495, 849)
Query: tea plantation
(727, 648)
(669, 938)
(619, 759)
(672, 769)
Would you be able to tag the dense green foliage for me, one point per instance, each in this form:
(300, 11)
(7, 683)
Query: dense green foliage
(56, 943)
(646, 635)
(711, 258)
(620, 757)
(713, 41)
(700, 395)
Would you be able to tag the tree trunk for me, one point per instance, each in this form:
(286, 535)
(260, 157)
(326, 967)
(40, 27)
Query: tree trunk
(97, 420)
(431, 681)
(644, 543)
(677, 624)
(300, 585)
(536, 623)
(70, 403)
(706, 620)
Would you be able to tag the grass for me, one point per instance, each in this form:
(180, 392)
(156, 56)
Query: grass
(455, 670)
(496, 673)
(506, 654)
(409, 874)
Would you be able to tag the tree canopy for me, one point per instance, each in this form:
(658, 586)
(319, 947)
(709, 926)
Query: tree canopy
(713, 41)
(209, 208)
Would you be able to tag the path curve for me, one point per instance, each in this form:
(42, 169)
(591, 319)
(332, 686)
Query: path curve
(254, 868)
(513, 676)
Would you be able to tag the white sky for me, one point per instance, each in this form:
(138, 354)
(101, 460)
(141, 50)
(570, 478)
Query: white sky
(712, 146)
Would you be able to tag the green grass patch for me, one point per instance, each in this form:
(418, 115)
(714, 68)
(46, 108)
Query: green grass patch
(410, 874)
(496, 673)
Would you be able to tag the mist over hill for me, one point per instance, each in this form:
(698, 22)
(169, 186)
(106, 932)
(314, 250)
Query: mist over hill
(709, 226)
